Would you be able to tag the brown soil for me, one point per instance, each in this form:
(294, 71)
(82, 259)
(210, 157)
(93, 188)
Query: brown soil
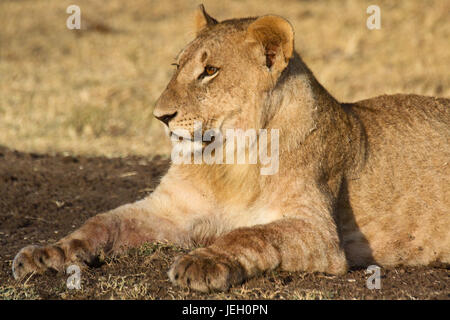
(42, 198)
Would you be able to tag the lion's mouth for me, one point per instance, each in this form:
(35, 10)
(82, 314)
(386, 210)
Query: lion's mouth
(184, 137)
(180, 137)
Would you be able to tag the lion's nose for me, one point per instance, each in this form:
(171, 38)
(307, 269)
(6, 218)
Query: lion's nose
(167, 117)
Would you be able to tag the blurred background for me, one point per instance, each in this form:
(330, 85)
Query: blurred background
(91, 91)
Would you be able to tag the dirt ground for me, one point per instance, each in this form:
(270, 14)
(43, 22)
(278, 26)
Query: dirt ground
(45, 197)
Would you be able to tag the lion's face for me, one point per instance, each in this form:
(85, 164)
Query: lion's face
(216, 83)
(223, 77)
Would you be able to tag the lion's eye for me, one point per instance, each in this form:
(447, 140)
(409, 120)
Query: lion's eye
(208, 72)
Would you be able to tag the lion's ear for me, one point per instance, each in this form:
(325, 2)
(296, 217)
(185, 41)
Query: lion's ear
(203, 19)
(276, 36)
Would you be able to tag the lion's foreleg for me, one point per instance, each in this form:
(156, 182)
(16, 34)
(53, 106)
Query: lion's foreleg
(127, 226)
(291, 244)
(158, 217)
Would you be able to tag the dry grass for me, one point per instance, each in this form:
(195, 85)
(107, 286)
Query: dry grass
(92, 91)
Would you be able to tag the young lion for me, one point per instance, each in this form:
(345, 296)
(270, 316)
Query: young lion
(358, 183)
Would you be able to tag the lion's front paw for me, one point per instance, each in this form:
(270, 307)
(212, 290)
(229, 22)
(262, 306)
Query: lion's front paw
(37, 259)
(205, 270)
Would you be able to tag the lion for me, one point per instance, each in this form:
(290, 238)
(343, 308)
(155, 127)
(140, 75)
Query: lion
(358, 183)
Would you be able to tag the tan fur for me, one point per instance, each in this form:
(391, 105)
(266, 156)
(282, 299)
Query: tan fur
(358, 183)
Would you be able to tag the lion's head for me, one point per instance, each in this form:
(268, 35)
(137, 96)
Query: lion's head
(224, 77)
